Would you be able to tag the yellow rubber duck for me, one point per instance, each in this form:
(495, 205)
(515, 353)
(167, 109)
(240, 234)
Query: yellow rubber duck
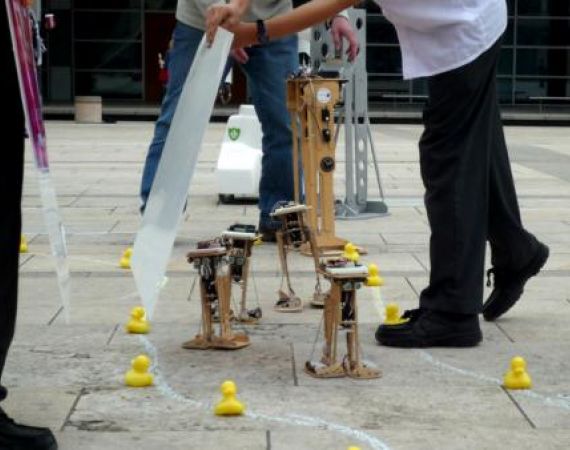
(393, 315)
(23, 244)
(374, 279)
(350, 252)
(229, 405)
(138, 323)
(138, 376)
(125, 261)
(517, 377)
(353, 448)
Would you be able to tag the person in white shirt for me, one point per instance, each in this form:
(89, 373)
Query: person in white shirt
(470, 196)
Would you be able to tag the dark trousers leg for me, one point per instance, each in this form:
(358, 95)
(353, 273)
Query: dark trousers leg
(11, 173)
(470, 195)
(511, 245)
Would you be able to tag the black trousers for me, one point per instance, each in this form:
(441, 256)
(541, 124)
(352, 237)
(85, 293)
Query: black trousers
(470, 196)
(11, 174)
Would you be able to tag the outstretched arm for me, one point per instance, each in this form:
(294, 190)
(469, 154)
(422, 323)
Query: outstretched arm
(296, 20)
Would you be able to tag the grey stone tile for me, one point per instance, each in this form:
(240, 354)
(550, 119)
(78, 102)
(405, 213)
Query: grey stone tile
(177, 440)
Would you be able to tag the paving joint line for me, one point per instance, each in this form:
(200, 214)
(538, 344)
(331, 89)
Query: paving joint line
(268, 439)
(519, 407)
(419, 262)
(55, 316)
(412, 287)
(502, 330)
(66, 422)
(26, 261)
(294, 365)
(113, 227)
(113, 333)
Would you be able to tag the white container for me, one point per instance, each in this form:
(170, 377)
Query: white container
(239, 165)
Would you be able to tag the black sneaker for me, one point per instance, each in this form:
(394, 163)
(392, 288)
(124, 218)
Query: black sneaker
(14, 436)
(426, 328)
(509, 286)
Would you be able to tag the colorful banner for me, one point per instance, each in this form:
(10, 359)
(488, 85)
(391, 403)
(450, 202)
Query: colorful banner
(22, 42)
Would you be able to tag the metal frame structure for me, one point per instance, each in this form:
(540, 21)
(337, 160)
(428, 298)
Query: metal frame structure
(359, 144)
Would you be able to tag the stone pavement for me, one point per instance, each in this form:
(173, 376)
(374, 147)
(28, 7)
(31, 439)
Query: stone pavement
(69, 377)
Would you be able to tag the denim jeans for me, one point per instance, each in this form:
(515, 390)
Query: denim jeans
(267, 71)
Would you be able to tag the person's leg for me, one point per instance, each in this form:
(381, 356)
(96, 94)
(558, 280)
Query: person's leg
(267, 70)
(455, 154)
(186, 41)
(511, 245)
(516, 254)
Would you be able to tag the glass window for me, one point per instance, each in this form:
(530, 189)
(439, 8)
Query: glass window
(58, 41)
(505, 89)
(117, 25)
(383, 60)
(420, 87)
(542, 87)
(543, 61)
(107, 4)
(108, 55)
(52, 5)
(379, 30)
(391, 89)
(109, 85)
(505, 65)
(544, 7)
(511, 7)
(58, 83)
(552, 32)
(162, 5)
(508, 37)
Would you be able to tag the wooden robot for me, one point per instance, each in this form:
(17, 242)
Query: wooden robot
(239, 240)
(210, 259)
(311, 101)
(346, 276)
(294, 233)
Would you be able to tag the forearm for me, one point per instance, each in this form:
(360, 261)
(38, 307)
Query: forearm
(305, 16)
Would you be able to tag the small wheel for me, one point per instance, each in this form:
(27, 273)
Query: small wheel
(225, 198)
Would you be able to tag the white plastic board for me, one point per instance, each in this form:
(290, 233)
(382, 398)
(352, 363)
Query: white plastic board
(155, 238)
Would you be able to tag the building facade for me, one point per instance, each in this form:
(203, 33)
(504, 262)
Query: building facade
(110, 48)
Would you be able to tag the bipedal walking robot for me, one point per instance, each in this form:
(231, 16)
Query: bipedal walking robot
(346, 276)
(239, 240)
(211, 261)
(294, 233)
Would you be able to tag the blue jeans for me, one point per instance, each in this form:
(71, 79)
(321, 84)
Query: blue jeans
(267, 71)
